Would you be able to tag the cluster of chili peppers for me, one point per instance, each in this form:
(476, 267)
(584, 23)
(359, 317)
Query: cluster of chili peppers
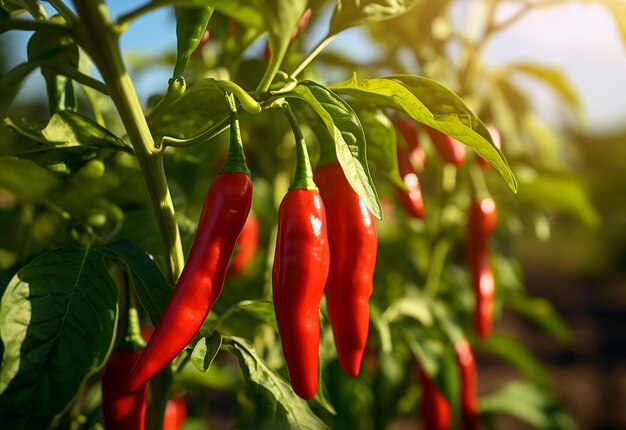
(436, 411)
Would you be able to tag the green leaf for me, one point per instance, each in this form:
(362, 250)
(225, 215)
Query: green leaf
(276, 403)
(28, 181)
(57, 322)
(541, 312)
(410, 306)
(67, 129)
(432, 104)
(381, 141)
(247, 12)
(205, 351)
(345, 128)
(350, 13)
(11, 82)
(552, 77)
(280, 18)
(528, 404)
(510, 350)
(151, 286)
(561, 192)
(260, 309)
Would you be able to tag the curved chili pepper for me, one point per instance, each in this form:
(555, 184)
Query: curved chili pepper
(224, 213)
(123, 408)
(247, 244)
(353, 246)
(205, 38)
(449, 149)
(191, 23)
(412, 199)
(497, 142)
(469, 384)
(436, 414)
(408, 130)
(482, 219)
(300, 270)
(175, 413)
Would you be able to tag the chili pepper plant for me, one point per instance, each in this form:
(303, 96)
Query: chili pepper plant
(355, 204)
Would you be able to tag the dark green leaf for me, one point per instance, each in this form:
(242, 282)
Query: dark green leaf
(553, 78)
(381, 141)
(528, 404)
(57, 322)
(151, 286)
(11, 82)
(350, 13)
(510, 350)
(432, 104)
(276, 403)
(205, 351)
(541, 312)
(261, 309)
(26, 179)
(67, 129)
(345, 128)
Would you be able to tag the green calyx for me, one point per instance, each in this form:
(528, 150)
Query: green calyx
(236, 160)
(303, 177)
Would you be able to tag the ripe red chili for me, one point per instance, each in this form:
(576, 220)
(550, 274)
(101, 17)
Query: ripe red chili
(123, 408)
(469, 384)
(482, 219)
(449, 149)
(408, 130)
(224, 213)
(175, 413)
(497, 142)
(411, 200)
(353, 245)
(436, 414)
(246, 246)
(300, 270)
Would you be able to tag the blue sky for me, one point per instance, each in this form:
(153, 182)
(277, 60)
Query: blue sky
(580, 39)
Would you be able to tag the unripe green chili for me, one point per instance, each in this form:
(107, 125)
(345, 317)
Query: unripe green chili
(191, 23)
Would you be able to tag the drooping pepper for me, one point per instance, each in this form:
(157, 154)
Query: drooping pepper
(469, 384)
(301, 25)
(224, 213)
(436, 413)
(191, 24)
(408, 130)
(449, 149)
(411, 200)
(175, 413)
(123, 408)
(246, 246)
(497, 142)
(482, 219)
(300, 270)
(353, 244)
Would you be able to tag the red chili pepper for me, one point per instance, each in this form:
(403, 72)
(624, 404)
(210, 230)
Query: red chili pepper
(482, 219)
(246, 246)
(412, 199)
(224, 213)
(436, 414)
(123, 408)
(353, 243)
(301, 25)
(469, 384)
(449, 149)
(300, 271)
(497, 142)
(408, 130)
(175, 413)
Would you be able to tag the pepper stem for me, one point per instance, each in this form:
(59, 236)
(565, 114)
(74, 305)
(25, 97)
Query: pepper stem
(236, 160)
(303, 177)
(131, 331)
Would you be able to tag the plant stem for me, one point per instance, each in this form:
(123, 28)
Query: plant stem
(314, 53)
(100, 40)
